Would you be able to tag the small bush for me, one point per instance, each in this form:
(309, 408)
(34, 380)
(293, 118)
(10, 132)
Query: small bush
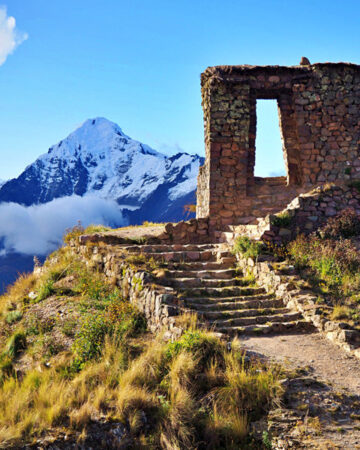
(89, 339)
(282, 220)
(345, 225)
(46, 290)
(13, 316)
(15, 344)
(247, 247)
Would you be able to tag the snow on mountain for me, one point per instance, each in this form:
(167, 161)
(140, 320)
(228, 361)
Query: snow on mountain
(99, 159)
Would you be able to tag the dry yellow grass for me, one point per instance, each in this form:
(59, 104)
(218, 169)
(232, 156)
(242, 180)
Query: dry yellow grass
(128, 378)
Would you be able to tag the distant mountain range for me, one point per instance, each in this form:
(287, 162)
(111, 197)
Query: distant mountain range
(98, 159)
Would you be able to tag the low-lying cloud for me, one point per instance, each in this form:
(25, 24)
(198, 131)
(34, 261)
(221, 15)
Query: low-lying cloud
(38, 230)
(10, 36)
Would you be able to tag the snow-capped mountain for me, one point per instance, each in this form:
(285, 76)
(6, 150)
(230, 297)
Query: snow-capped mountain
(99, 159)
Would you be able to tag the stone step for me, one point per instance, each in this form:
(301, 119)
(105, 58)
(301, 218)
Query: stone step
(237, 303)
(229, 291)
(240, 313)
(200, 265)
(276, 327)
(159, 248)
(202, 274)
(188, 256)
(257, 319)
(186, 283)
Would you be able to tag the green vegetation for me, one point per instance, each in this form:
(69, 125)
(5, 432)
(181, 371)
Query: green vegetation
(330, 262)
(282, 220)
(84, 354)
(247, 248)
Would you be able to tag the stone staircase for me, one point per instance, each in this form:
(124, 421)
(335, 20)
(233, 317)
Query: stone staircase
(205, 278)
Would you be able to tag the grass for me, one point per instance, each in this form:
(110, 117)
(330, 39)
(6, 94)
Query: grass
(341, 312)
(166, 383)
(247, 248)
(89, 357)
(282, 220)
(331, 267)
(13, 316)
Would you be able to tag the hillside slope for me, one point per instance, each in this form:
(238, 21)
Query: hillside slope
(77, 366)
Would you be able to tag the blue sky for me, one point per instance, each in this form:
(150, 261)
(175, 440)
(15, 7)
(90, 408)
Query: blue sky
(138, 63)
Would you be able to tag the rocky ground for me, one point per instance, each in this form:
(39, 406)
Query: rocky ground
(321, 405)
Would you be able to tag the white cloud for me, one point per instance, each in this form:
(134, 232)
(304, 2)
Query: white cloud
(37, 230)
(10, 37)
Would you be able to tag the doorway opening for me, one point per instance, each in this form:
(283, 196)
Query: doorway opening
(269, 157)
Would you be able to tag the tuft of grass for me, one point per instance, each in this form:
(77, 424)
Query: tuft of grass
(96, 229)
(15, 344)
(73, 233)
(341, 312)
(45, 290)
(282, 220)
(13, 316)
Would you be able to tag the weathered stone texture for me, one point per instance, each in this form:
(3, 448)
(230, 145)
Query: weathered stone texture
(305, 214)
(319, 114)
(302, 300)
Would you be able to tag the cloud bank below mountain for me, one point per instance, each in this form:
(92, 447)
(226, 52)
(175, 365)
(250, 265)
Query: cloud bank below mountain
(38, 229)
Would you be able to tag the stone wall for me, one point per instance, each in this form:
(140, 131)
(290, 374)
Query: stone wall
(305, 214)
(158, 303)
(283, 282)
(191, 231)
(319, 112)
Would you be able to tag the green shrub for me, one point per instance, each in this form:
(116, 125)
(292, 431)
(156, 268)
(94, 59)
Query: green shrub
(205, 345)
(45, 290)
(13, 316)
(15, 344)
(89, 339)
(247, 247)
(69, 327)
(282, 220)
(345, 225)
(118, 318)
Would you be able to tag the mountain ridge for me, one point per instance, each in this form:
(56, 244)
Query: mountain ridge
(99, 158)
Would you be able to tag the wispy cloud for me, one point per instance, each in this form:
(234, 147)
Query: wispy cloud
(170, 148)
(10, 36)
(37, 230)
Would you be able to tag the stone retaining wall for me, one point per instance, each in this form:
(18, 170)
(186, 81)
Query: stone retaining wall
(189, 232)
(159, 304)
(304, 215)
(284, 286)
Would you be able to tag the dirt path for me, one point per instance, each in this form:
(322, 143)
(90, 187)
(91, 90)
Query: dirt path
(326, 360)
(321, 407)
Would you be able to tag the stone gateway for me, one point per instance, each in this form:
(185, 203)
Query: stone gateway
(319, 115)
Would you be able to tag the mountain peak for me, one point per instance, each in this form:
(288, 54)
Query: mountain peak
(99, 159)
(99, 124)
